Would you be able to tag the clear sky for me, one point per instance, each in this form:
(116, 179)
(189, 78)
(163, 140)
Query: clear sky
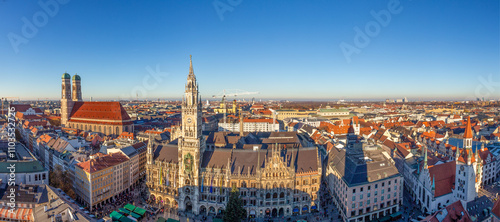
(283, 49)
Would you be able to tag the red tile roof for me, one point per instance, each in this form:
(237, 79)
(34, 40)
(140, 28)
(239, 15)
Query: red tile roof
(484, 153)
(102, 161)
(91, 111)
(444, 177)
(25, 107)
(464, 155)
(453, 212)
(496, 208)
(127, 135)
(468, 129)
(28, 124)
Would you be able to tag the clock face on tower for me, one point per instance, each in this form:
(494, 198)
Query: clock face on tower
(189, 120)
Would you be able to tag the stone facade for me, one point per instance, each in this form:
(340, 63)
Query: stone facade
(277, 177)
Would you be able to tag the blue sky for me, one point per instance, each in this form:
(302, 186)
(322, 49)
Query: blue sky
(282, 49)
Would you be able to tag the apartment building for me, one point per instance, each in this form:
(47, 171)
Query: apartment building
(364, 182)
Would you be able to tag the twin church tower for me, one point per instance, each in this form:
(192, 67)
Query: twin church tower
(69, 98)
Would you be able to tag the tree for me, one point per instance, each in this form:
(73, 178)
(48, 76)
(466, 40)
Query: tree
(60, 178)
(234, 209)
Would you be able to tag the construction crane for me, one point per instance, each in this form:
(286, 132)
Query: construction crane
(5, 98)
(232, 92)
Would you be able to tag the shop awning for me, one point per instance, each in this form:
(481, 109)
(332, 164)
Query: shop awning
(123, 210)
(397, 214)
(129, 207)
(140, 211)
(134, 215)
(125, 219)
(386, 218)
(115, 215)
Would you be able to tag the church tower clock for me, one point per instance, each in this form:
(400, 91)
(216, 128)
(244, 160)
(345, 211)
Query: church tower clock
(191, 146)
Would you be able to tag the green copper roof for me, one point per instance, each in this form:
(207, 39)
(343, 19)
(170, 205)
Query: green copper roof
(76, 77)
(66, 76)
(22, 167)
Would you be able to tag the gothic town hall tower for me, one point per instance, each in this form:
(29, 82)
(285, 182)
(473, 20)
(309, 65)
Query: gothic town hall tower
(191, 146)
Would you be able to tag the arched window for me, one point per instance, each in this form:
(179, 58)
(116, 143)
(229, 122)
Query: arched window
(268, 195)
(117, 131)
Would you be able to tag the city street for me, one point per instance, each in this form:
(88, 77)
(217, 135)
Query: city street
(410, 209)
(491, 191)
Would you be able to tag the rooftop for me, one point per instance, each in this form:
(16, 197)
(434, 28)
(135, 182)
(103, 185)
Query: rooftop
(360, 165)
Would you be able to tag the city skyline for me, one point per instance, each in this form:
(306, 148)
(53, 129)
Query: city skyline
(440, 51)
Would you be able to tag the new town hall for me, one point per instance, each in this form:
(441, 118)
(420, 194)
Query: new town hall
(277, 173)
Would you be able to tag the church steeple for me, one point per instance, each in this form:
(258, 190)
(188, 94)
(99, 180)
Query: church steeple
(191, 93)
(468, 141)
(468, 135)
(191, 72)
(150, 149)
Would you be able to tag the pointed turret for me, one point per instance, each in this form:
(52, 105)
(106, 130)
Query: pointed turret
(478, 158)
(468, 141)
(150, 149)
(433, 184)
(468, 129)
(191, 71)
(191, 93)
(425, 159)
